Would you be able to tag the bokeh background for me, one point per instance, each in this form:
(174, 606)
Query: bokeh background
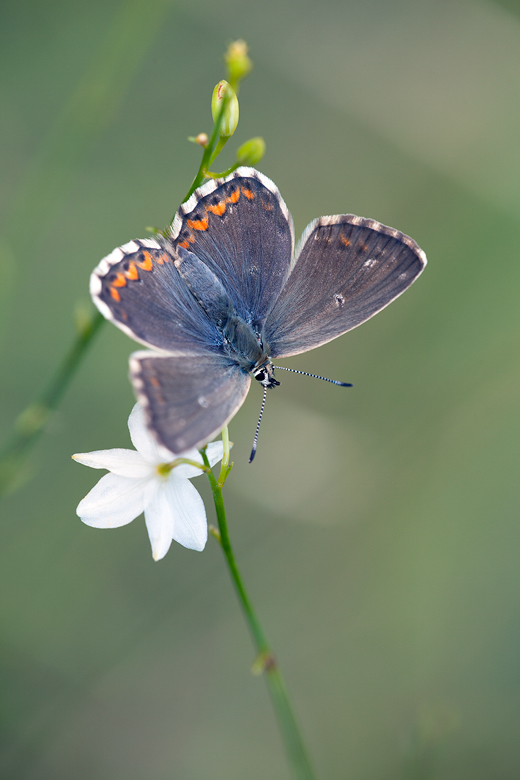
(378, 529)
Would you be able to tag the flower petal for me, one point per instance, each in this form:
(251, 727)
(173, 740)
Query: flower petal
(113, 502)
(143, 440)
(159, 519)
(191, 526)
(126, 463)
(214, 451)
(174, 510)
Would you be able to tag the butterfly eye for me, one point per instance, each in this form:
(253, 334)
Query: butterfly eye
(261, 375)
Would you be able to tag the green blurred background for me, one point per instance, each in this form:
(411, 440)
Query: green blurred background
(378, 528)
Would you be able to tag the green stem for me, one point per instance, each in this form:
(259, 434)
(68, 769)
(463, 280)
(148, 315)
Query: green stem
(222, 174)
(266, 661)
(33, 419)
(208, 155)
(222, 141)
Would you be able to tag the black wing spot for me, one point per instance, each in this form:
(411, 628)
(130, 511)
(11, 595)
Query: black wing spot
(339, 300)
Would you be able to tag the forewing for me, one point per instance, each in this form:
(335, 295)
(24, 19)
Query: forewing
(187, 400)
(241, 228)
(139, 288)
(347, 270)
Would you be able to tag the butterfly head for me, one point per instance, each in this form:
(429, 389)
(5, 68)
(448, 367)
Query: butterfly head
(265, 374)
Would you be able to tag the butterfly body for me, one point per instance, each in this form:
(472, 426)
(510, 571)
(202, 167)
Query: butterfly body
(239, 340)
(224, 293)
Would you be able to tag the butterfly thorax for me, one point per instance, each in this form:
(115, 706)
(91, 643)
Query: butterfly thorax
(242, 343)
(245, 346)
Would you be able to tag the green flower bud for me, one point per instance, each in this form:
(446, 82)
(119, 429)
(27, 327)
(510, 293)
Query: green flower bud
(251, 152)
(237, 61)
(229, 121)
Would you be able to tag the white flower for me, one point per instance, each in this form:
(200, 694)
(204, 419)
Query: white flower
(172, 507)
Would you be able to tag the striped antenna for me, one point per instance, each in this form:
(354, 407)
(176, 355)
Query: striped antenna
(255, 441)
(314, 376)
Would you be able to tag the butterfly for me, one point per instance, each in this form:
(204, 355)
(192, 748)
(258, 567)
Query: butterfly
(223, 294)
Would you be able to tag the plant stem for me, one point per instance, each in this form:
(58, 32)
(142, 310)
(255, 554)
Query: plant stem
(208, 155)
(31, 422)
(266, 661)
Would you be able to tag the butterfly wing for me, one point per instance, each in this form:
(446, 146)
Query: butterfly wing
(187, 399)
(347, 269)
(139, 288)
(241, 229)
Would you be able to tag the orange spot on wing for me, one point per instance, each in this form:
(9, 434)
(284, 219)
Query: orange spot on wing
(218, 209)
(115, 295)
(198, 224)
(132, 272)
(119, 281)
(345, 241)
(233, 197)
(162, 258)
(154, 381)
(147, 263)
(187, 241)
(249, 195)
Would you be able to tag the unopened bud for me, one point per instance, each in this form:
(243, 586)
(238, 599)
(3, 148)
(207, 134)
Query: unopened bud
(251, 152)
(237, 61)
(229, 121)
(201, 139)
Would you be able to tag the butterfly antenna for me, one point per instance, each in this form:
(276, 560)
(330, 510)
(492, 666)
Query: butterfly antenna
(314, 376)
(255, 440)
